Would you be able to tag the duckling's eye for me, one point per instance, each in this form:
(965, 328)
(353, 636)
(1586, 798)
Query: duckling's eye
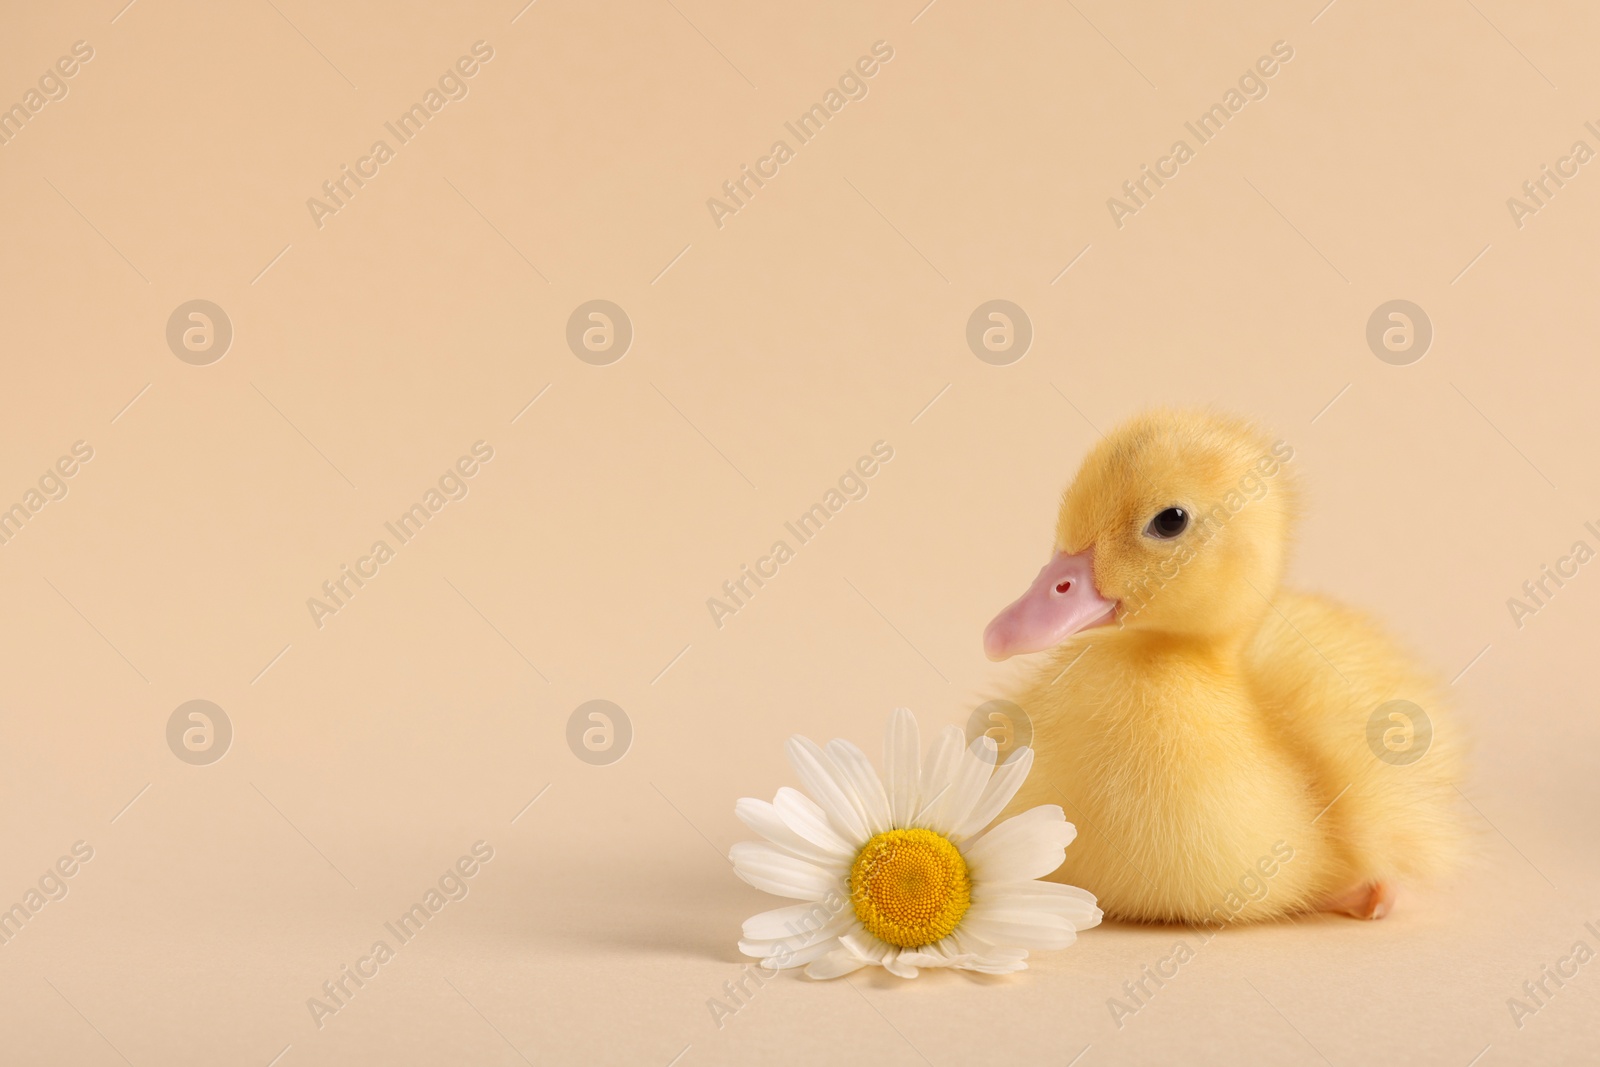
(1169, 524)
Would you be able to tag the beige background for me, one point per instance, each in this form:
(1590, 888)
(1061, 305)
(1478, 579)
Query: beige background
(768, 354)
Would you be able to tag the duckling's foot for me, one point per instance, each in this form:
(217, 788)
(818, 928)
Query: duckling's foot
(1366, 900)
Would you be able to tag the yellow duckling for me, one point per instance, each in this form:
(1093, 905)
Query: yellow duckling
(1228, 748)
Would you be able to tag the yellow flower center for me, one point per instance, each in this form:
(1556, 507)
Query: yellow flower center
(910, 887)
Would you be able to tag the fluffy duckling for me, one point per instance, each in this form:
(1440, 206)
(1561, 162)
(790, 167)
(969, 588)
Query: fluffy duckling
(1219, 740)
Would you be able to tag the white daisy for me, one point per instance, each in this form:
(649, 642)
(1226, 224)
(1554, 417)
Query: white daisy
(910, 875)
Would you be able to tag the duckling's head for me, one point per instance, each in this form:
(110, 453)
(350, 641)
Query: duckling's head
(1177, 524)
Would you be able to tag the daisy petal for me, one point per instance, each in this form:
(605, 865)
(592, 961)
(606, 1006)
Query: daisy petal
(1075, 905)
(1043, 893)
(774, 871)
(766, 820)
(852, 764)
(935, 955)
(985, 966)
(805, 817)
(938, 773)
(998, 793)
(902, 761)
(973, 772)
(895, 963)
(791, 942)
(818, 775)
(1032, 929)
(786, 956)
(865, 945)
(791, 921)
(1025, 846)
(965, 943)
(967, 953)
(836, 964)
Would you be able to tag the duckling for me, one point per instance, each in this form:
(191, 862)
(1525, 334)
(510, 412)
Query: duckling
(1229, 748)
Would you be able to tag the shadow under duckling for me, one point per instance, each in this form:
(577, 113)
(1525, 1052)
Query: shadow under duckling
(1207, 730)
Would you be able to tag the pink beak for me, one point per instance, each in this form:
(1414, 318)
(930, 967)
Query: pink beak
(1061, 601)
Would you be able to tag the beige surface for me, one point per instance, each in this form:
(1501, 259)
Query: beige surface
(825, 315)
